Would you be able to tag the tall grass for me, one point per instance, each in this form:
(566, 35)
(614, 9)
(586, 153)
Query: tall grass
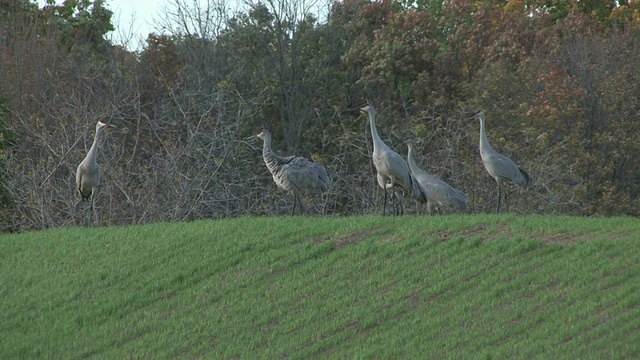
(303, 287)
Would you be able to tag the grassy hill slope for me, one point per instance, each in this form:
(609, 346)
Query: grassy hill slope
(479, 286)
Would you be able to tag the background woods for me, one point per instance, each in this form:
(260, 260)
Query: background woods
(558, 81)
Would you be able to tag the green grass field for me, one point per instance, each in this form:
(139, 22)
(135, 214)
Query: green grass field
(460, 287)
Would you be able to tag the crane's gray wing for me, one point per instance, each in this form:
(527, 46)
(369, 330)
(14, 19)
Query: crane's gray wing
(79, 176)
(525, 176)
(282, 160)
(498, 165)
(445, 195)
(87, 177)
(421, 175)
(438, 191)
(286, 159)
(390, 164)
(304, 175)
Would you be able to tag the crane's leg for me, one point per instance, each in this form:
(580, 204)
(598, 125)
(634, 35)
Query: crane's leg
(384, 201)
(394, 208)
(394, 198)
(400, 206)
(392, 187)
(293, 207)
(394, 204)
(91, 211)
(499, 194)
(303, 209)
(506, 200)
(84, 212)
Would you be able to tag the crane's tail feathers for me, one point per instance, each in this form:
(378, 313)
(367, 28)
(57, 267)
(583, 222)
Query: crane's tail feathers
(526, 177)
(325, 182)
(460, 201)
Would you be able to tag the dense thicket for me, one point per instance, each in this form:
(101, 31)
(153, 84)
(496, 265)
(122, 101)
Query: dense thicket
(558, 81)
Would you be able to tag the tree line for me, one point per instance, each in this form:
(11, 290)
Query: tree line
(557, 80)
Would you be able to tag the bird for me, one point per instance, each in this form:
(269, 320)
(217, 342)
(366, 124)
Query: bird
(439, 194)
(294, 174)
(499, 166)
(392, 169)
(88, 173)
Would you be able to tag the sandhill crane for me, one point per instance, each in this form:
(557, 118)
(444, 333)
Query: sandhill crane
(391, 167)
(498, 165)
(88, 174)
(439, 193)
(294, 174)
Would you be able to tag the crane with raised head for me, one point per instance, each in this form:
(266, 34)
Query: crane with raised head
(499, 166)
(88, 174)
(392, 170)
(294, 174)
(440, 195)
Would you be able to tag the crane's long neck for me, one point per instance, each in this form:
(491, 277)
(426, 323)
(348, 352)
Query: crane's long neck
(484, 142)
(377, 142)
(93, 151)
(270, 159)
(410, 161)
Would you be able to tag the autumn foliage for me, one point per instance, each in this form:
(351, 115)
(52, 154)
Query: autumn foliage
(557, 80)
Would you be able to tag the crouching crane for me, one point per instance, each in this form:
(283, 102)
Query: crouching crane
(440, 195)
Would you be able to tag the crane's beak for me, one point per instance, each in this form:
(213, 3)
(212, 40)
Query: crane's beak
(104, 124)
(357, 108)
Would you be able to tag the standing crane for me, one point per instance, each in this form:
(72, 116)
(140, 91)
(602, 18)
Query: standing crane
(392, 169)
(88, 174)
(439, 193)
(294, 174)
(498, 165)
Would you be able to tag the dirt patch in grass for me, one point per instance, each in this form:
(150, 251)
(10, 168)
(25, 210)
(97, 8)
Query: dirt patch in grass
(352, 238)
(394, 238)
(504, 232)
(347, 239)
(487, 233)
(564, 239)
(467, 234)
(568, 239)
